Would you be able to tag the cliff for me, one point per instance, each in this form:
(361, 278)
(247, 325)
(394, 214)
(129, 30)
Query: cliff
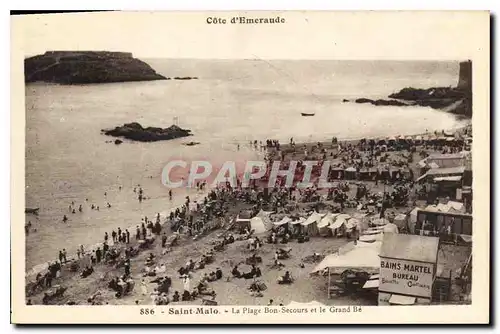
(85, 67)
(456, 100)
(135, 131)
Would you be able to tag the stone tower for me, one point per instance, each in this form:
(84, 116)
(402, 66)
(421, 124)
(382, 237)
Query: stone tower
(465, 76)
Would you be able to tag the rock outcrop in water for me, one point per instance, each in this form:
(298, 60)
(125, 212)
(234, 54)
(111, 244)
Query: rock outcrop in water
(381, 102)
(86, 67)
(135, 131)
(456, 100)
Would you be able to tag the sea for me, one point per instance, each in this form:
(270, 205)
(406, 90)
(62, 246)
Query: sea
(231, 103)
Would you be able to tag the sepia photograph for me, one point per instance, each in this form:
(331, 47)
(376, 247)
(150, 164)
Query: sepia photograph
(247, 185)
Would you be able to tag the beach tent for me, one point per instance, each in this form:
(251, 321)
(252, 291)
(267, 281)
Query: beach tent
(400, 220)
(325, 222)
(297, 222)
(354, 223)
(380, 221)
(257, 224)
(371, 237)
(457, 206)
(283, 221)
(339, 223)
(362, 256)
(371, 231)
(391, 228)
(310, 225)
(328, 219)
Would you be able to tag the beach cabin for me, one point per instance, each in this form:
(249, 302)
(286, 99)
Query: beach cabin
(336, 173)
(350, 173)
(407, 269)
(450, 226)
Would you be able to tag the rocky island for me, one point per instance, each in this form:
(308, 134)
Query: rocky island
(86, 67)
(456, 100)
(135, 131)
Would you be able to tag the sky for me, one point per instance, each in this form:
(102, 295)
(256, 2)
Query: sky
(304, 35)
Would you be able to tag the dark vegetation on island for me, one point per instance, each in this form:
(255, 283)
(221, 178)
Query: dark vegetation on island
(135, 131)
(89, 67)
(456, 100)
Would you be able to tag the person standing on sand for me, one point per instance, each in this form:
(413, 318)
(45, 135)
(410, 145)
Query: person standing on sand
(127, 236)
(98, 254)
(186, 282)
(82, 250)
(119, 234)
(137, 233)
(106, 236)
(113, 235)
(61, 256)
(78, 253)
(164, 240)
(144, 288)
(64, 255)
(170, 194)
(127, 267)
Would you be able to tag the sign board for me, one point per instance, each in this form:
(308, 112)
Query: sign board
(406, 277)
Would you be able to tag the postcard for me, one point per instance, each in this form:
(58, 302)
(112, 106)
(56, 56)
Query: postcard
(254, 167)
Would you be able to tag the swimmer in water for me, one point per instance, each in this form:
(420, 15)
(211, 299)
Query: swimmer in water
(109, 205)
(65, 219)
(80, 208)
(73, 211)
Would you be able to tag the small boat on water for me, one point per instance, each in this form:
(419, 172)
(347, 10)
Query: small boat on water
(33, 211)
(191, 143)
(307, 114)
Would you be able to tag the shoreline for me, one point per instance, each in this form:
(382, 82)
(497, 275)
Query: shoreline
(261, 154)
(189, 247)
(197, 196)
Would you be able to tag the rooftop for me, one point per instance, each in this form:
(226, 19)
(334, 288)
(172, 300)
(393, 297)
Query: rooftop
(410, 247)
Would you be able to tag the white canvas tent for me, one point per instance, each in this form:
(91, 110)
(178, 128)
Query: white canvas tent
(354, 223)
(391, 228)
(325, 222)
(370, 238)
(380, 221)
(295, 222)
(362, 255)
(400, 220)
(283, 221)
(310, 225)
(258, 225)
